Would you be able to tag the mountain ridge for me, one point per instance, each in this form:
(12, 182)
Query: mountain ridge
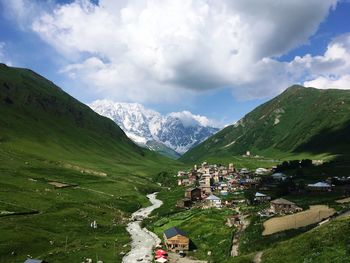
(288, 124)
(177, 131)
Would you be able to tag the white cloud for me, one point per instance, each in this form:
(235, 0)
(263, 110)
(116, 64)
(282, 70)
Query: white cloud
(342, 82)
(189, 119)
(331, 70)
(3, 56)
(164, 50)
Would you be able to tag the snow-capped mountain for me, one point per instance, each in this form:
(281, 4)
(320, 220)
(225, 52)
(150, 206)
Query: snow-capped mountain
(178, 131)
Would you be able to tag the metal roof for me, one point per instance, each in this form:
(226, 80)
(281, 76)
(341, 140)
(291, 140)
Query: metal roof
(173, 231)
(282, 201)
(29, 260)
(319, 184)
(212, 197)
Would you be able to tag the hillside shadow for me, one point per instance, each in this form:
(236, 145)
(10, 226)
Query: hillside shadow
(331, 141)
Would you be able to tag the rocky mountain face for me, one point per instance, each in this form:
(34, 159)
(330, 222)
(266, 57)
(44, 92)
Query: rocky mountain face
(178, 131)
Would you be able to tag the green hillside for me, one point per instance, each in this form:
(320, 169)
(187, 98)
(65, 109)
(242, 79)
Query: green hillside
(327, 243)
(300, 122)
(61, 167)
(163, 149)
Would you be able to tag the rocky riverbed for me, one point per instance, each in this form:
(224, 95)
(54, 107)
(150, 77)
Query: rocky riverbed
(143, 240)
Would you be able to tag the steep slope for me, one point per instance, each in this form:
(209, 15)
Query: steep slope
(62, 166)
(37, 113)
(326, 243)
(177, 131)
(299, 121)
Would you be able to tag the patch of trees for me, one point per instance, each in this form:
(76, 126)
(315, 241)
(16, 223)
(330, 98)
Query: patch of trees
(164, 178)
(294, 164)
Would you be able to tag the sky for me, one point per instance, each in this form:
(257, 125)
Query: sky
(216, 58)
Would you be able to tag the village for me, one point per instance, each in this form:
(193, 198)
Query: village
(216, 186)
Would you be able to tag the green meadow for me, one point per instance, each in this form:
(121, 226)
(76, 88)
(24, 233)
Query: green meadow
(48, 140)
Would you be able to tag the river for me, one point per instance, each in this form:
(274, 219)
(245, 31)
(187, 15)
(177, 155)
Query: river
(142, 240)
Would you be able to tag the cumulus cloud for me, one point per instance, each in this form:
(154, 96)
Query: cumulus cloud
(342, 82)
(189, 119)
(163, 50)
(331, 70)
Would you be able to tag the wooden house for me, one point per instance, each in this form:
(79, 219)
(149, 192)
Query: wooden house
(283, 206)
(194, 194)
(176, 240)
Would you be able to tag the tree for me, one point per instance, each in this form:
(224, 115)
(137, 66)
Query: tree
(249, 195)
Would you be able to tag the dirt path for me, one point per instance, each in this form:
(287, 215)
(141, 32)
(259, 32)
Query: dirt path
(143, 240)
(235, 240)
(257, 258)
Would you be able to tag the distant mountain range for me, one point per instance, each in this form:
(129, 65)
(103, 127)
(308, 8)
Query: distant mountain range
(171, 135)
(300, 122)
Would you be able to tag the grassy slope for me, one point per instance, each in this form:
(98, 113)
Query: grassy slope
(328, 243)
(163, 149)
(47, 135)
(301, 121)
(206, 229)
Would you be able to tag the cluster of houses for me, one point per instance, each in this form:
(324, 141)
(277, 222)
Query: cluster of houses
(219, 178)
(209, 183)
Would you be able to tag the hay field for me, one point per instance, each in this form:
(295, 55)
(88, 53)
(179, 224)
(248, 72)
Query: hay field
(343, 201)
(315, 214)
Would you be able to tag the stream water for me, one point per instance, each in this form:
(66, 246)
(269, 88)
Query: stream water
(143, 240)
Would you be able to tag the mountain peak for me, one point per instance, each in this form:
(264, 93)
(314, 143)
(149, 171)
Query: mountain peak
(178, 131)
(294, 88)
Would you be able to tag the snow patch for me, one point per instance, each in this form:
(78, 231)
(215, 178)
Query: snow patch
(177, 130)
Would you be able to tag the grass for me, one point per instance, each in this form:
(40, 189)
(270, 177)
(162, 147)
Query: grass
(322, 133)
(67, 212)
(327, 243)
(252, 239)
(206, 229)
(46, 135)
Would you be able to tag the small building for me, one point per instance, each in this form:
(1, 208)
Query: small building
(244, 171)
(176, 240)
(231, 167)
(223, 186)
(261, 171)
(320, 187)
(224, 192)
(194, 194)
(182, 203)
(183, 182)
(279, 176)
(283, 206)
(260, 197)
(213, 201)
(181, 173)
